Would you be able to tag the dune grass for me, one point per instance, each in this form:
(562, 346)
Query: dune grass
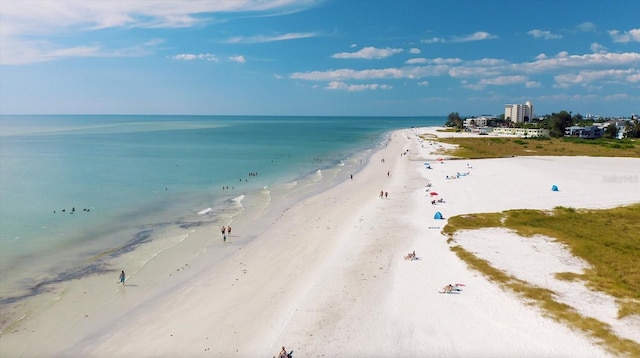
(606, 239)
(543, 298)
(500, 147)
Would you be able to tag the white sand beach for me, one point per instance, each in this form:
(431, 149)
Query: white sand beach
(328, 277)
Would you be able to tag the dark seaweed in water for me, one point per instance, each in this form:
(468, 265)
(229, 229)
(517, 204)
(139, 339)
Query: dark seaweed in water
(100, 266)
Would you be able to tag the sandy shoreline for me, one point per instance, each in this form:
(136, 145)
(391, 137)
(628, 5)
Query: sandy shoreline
(328, 277)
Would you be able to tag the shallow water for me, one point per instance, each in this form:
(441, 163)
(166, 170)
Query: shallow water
(79, 191)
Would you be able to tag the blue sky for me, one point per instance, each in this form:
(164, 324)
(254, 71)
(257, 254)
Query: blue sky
(318, 57)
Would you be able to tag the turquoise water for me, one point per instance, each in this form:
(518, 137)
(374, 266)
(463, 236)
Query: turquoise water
(73, 187)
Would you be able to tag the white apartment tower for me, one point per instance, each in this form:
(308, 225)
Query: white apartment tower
(517, 112)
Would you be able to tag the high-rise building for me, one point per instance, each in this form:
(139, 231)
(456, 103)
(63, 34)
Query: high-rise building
(518, 113)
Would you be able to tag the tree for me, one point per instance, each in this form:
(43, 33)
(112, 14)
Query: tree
(559, 122)
(632, 129)
(454, 120)
(611, 131)
(577, 118)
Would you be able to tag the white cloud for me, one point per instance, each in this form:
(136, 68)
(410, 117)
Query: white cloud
(496, 81)
(504, 80)
(385, 73)
(37, 17)
(22, 52)
(588, 76)
(436, 61)
(337, 85)
(270, 38)
(540, 34)
(465, 71)
(597, 48)
(630, 36)
(634, 78)
(476, 36)
(414, 51)
(432, 40)
(347, 74)
(446, 61)
(191, 57)
(563, 98)
(369, 53)
(565, 60)
(616, 97)
(596, 69)
(587, 26)
(413, 61)
(239, 59)
(489, 62)
(154, 42)
(29, 27)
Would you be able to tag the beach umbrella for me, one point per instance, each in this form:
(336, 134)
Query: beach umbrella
(433, 193)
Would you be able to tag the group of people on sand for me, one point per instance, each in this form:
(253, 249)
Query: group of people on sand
(283, 354)
(458, 175)
(452, 288)
(411, 256)
(225, 231)
(384, 194)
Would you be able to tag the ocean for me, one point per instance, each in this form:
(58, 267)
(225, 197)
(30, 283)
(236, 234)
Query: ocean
(77, 191)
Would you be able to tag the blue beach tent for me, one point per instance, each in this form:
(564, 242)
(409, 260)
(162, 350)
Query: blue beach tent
(438, 216)
(554, 188)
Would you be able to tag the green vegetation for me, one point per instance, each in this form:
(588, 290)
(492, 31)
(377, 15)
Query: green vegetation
(449, 130)
(556, 310)
(483, 147)
(606, 239)
(556, 123)
(454, 120)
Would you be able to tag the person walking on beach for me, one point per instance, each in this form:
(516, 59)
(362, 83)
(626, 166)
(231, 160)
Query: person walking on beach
(283, 353)
(223, 230)
(229, 230)
(122, 277)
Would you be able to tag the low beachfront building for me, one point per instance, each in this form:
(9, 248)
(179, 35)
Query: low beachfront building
(521, 132)
(620, 124)
(591, 132)
(477, 121)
